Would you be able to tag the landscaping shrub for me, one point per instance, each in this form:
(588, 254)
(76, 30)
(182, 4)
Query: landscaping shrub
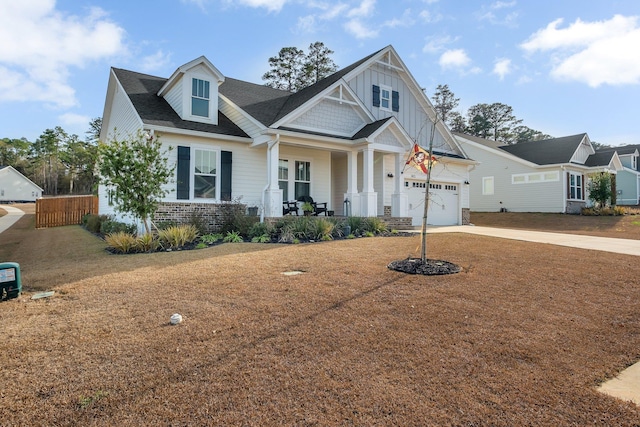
(374, 225)
(355, 222)
(261, 229)
(240, 222)
(178, 236)
(93, 222)
(210, 239)
(232, 237)
(121, 242)
(265, 238)
(197, 220)
(147, 243)
(110, 226)
(322, 229)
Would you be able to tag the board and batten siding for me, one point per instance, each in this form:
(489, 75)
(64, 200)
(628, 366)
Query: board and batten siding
(411, 115)
(545, 196)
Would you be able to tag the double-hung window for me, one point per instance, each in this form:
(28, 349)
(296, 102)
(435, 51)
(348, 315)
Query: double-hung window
(200, 97)
(303, 179)
(297, 183)
(385, 97)
(283, 178)
(205, 174)
(576, 186)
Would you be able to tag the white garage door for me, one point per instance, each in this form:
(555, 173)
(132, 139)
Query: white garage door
(443, 202)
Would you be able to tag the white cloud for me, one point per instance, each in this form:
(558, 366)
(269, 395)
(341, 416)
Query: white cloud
(456, 58)
(502, 67)
(430, 18)
(405, 21)
(360, 30)
(155, 62)
(502, 4)
(595, 53)
(41, 44)
(306, 24)
(496, 14)
(437, 44)
(270, 5)
(365, 9)
(74, 120)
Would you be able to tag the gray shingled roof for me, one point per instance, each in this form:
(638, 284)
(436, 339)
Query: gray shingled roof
(548, 151)
(624, 149)
(263, 103)
(600, 158)
(482, 141)
(142, 89)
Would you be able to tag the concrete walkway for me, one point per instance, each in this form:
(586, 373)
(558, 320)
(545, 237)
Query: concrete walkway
(626, 385)
(12, 216)
(607, 244)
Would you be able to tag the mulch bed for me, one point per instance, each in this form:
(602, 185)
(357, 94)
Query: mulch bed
(428, 267)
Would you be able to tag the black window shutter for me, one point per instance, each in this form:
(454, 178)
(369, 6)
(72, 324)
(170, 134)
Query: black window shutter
(376, 96)
(395, 101)
(183, 175)
(225, 175)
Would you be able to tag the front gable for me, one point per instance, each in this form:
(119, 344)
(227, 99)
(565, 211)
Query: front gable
(336, 111)
(192, 91)
(583, 151)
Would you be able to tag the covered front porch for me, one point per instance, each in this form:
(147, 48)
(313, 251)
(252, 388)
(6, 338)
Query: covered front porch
(353, 177)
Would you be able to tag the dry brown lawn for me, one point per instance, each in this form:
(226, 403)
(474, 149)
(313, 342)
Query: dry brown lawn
(521, 337)
(623, 227)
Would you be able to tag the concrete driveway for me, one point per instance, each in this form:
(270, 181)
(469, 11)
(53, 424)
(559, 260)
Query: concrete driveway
(12, 216)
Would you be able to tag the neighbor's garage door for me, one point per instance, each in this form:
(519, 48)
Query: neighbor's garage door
(443, 204)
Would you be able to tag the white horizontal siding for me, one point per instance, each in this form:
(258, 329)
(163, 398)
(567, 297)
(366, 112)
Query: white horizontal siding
(124, 120)
(175, 98)
(244, 123)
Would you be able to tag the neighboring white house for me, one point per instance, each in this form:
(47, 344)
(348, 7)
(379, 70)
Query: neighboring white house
(15, 187)
(345, 138)
(536, 176)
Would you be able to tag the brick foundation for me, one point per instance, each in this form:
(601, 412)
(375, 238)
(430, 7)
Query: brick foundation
(214, 216)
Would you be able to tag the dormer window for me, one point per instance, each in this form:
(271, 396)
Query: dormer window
(200, 97)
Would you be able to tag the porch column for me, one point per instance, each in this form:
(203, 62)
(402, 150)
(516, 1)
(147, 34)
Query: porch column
(399, 199)
(368, 197)
(273, 193)
(352, 185)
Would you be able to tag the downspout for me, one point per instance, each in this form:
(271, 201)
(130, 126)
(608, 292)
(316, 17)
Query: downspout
(563, 178)
(269, 147)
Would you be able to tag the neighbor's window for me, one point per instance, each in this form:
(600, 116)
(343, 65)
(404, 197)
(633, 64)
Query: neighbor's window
(200, 98)
(385, 97)
(283, 178)
(575, 186)
(487, 186)
(302, 179)
(204, 185)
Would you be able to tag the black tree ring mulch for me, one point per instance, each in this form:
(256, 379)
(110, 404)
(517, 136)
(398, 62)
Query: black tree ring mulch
(430, 267)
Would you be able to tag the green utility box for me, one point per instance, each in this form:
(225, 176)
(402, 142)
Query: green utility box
(10, 283)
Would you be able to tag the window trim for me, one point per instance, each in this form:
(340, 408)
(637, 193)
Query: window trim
(389, 99)
(192, 173)
(486, 179)
(579, 189)
(292, 177)
(192, 97)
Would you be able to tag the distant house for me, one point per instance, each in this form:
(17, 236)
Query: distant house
(15, 187)
(628, 178)
(536, 176)
(343, 141)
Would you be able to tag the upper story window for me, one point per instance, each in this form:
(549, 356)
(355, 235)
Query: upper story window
(200, 97)
(385, 97)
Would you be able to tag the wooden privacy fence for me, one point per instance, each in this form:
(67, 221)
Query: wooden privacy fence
(58, 211)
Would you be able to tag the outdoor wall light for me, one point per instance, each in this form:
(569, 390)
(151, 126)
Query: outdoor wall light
(390, 175)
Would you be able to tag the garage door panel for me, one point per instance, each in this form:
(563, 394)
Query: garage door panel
(443, 203)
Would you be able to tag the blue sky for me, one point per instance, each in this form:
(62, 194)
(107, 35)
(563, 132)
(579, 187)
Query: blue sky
(565, 66)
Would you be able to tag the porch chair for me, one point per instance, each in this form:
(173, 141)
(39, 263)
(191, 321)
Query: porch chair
(318, 208)
(290, 208)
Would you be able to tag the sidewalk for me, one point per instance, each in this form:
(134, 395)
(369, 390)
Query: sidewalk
(12, 216)
(607, 244)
